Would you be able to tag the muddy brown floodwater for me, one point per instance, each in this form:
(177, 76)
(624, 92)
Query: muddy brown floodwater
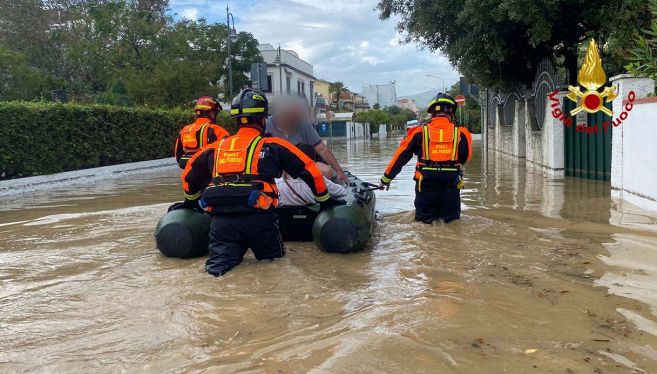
(540, 275)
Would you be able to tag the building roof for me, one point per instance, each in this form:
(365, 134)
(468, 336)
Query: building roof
(288, 58)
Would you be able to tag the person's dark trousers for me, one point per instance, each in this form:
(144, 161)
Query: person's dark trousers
(432, 203)
(232, 234)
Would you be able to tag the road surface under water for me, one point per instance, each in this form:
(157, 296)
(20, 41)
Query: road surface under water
(539, 275)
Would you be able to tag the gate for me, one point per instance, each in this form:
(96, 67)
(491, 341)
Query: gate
(587, 151)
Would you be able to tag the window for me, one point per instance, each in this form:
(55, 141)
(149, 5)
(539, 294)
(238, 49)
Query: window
(303, 89)
(288, 83)
(298, 86)
(269, 86)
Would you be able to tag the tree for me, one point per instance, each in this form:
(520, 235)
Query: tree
(122, 52)
(399, 115)
(392, 115)
(245, 52)
(24, 26)
(374, 118)
(499, 43)
(643, 58)
(19, 80)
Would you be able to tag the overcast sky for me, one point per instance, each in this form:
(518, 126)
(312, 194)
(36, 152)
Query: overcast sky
(343, 39)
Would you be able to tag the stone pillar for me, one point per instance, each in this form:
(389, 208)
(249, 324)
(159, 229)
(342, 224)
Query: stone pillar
(553, 138)
(624, 83)
(483, 117)
(519, 130)
(383, 131)
(499, 120)
(530, 131)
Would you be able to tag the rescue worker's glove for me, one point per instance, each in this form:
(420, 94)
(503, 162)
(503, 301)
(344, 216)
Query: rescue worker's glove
(330, 203)
(384, 184)
(460, 183)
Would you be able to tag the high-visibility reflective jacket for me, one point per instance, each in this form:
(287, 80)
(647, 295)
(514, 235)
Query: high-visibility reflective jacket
(234, 167)
(195, 136)
(439, 146)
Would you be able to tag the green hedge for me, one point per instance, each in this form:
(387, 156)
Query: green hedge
(45, 138)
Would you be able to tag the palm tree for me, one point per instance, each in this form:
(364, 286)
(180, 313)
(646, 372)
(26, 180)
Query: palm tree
(336, 87)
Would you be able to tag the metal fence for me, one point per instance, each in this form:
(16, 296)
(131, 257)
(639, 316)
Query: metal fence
(547, 79)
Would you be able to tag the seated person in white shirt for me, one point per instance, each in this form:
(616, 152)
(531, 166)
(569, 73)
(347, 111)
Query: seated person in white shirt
(295, 192)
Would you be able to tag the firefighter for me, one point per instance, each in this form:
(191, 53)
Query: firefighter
(203, 131)
(441, 148)
(234, 178)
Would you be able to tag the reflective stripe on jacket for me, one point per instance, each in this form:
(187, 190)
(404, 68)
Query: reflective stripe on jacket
(195, 136)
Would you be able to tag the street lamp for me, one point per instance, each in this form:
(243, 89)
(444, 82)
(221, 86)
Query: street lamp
(232, 38)
(437, 77)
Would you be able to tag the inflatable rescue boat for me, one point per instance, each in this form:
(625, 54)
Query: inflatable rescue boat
(344, 228)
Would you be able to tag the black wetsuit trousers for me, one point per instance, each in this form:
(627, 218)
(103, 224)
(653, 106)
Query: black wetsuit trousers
(232, 234)
(437, 202)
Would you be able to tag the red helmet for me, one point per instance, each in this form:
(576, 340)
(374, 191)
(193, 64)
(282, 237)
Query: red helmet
(206, 104)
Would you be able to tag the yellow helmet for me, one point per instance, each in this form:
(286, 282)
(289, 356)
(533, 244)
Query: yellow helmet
(443, 103)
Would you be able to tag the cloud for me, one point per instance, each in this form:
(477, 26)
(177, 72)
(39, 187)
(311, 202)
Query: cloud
(343, 39)
(190, 13)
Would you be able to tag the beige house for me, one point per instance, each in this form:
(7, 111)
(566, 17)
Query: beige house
(322, 88)
(360, 104)
(349, 101)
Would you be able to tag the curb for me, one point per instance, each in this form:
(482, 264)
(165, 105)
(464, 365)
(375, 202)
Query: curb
(45, 182)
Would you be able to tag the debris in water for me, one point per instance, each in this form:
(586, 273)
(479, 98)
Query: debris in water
(233, 337)
(477, 343)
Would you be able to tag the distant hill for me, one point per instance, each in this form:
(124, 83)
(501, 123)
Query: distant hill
(422, 98)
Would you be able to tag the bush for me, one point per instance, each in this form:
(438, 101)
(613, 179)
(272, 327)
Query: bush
(45, 138)
(642, 56)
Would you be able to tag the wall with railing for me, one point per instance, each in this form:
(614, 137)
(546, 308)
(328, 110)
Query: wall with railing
(520, 123)
(524, 126)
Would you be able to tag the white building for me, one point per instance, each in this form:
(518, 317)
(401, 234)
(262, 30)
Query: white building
(287, 74)
(382, 94)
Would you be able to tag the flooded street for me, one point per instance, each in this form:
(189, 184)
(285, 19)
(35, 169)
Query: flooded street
(539, 275)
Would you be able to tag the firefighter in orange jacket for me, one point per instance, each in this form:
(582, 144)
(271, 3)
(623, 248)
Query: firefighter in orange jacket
(199, 133)
(441, 148)
(235, 179)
